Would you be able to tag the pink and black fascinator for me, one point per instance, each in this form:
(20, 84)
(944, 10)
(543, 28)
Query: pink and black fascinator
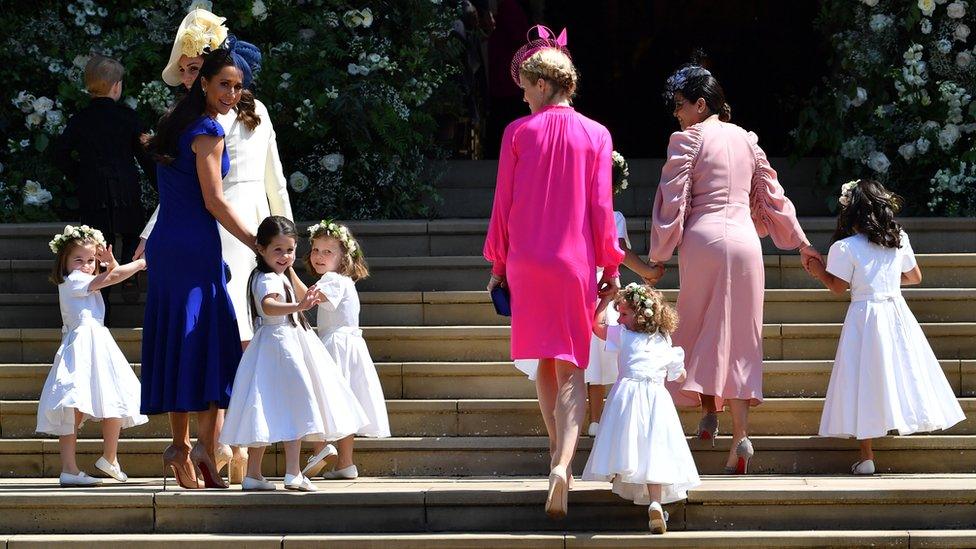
(546, 39)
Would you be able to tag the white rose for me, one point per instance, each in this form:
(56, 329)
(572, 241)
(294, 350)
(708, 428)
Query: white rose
(922, 145)
(926, 26)
(374, 57)
(35, 194)
(332, 162)
(964, 59)
(298, 181)
(927, 7)
(259, 10)
(34, 119)
(352, 19)
(363, 70)
(961, 32)
(907, 151)
(944, 46)
(42, 105)
(956, 10)
(878, 162)
(948, 136)
(367, 16)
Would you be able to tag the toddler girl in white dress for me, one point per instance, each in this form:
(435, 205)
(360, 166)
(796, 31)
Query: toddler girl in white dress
(885, 376)
(641, 447)
(338, 258)
(90, 378)
(287, 388)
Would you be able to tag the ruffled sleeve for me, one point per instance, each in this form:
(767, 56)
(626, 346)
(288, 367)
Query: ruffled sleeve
(676, 360)
(604, 231)
(907, 254)
(496, 243)
(333, 287)
(613, 339)
(78, 283)
(205, 126)
(772, 213)
(672, 200)
(268, 284)
(840, 261)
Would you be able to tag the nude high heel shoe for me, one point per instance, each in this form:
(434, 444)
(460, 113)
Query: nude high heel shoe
(176, 460)
(557, 500)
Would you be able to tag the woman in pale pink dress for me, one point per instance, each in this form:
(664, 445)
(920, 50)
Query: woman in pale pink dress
(717, 196)
(551, 226)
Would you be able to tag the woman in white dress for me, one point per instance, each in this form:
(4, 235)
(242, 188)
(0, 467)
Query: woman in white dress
(255, 187)
(885, 376)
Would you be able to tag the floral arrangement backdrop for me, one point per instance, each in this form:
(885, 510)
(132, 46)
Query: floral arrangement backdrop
(898, 105)
(356, 91)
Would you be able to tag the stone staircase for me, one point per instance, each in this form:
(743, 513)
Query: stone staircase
(469, 451)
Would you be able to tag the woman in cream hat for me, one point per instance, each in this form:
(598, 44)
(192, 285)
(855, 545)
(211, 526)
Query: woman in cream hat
(255, 186)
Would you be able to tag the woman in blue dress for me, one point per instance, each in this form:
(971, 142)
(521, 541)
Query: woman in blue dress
(191, 345)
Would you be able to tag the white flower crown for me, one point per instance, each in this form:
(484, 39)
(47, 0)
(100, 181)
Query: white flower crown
(338, 232)
(639, 297)
(71, 233)
(845, 193)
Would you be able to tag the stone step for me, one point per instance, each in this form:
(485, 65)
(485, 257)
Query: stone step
(452, 308)
(489, 417)
(507, 456)
(470, 273)
(492, 505)
(491, 343)
(466, 237)
(465, 380)
(754, 539)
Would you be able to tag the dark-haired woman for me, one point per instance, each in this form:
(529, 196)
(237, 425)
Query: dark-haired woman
(191, 346)
(717, 196)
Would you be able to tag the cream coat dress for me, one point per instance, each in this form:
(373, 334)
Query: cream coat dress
(255, 187)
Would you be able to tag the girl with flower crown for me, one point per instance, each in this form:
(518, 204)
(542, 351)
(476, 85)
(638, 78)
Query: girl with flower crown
(641, 447)
(885, 376)
(90, 378)
(338, 259)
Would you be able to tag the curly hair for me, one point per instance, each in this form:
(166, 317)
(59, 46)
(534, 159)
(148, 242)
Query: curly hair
(353, 265)
(554, 67)
(60, 271)
(870, 209)
(652, 313)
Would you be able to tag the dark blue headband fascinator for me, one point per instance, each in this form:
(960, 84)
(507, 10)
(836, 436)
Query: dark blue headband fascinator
(677, 81)
(247, 57)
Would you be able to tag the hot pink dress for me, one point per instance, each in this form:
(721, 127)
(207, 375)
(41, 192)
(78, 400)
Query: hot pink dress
(551, 226)
(718, 195)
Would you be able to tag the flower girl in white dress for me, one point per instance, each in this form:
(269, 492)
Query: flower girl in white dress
(287, 388)
(90, 378)
(885, 376)
(641, 447)
(337, 257)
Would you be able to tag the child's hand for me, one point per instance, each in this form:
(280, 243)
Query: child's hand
(106, 258)
(816, 268)
(681, 378)
(654, 274)
(311, 298)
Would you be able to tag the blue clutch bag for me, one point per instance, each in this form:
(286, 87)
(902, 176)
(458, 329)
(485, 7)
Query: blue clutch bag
(502, 300)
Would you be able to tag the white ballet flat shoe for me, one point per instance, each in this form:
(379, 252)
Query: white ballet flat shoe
(299, 483)
(346, 473)
(865, 467)
(593, 429)
(657, 518)
(257, 485)
(81, 479)
(111, 469)
(317, 462)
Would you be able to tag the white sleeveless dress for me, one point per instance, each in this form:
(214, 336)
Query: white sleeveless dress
(885, 376)
(641, 441)
(338, 326)
(287, 386)
(90, 374)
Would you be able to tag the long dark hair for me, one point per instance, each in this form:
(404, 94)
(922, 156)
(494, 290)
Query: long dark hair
(271, 227)
(694, 81)
(870, 210)
(164, 145)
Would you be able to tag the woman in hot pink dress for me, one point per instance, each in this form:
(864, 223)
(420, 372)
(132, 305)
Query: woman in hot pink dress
(717, 196)
(551, 226)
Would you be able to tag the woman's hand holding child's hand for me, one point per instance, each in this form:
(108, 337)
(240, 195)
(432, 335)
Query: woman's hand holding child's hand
(311, 299)
(816, 268)
(654, 274)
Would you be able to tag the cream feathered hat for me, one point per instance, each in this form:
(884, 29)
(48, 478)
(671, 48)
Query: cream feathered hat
(200, 32)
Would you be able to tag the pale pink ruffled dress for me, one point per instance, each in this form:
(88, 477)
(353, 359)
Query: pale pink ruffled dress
(718, 195)
(551, 226)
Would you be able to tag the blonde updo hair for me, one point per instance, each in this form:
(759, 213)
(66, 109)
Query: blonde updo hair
(652, 313)
(554, 67)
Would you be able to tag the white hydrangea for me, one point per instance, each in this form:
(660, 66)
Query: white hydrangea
(259, 10)
(956, 10)
(878, 162)
(926, 25)
(927, 7)
(42, 104)
(907, 151)
(948, 136)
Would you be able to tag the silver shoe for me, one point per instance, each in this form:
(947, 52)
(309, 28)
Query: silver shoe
(744, 453)
(708, 427)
